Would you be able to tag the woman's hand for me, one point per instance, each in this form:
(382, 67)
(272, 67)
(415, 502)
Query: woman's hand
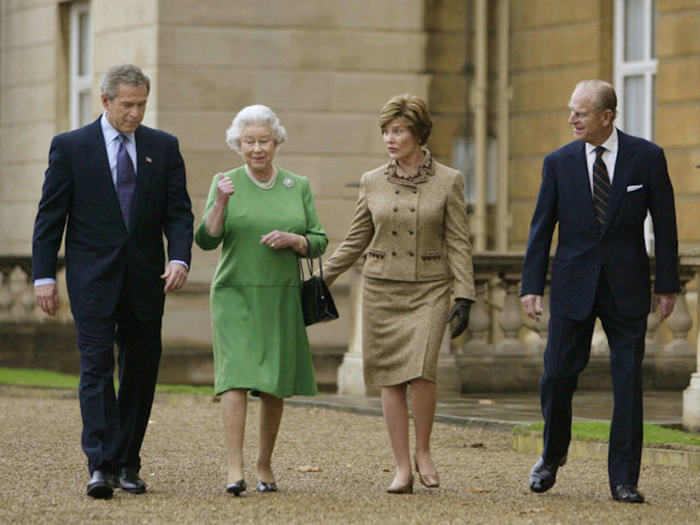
(278, 240)
(461, 312)
(224, 189)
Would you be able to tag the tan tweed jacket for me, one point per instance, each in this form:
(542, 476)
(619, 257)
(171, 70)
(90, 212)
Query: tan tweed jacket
(413, 228)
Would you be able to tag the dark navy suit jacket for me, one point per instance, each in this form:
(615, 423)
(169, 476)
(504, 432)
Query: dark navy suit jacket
(101, 255)
(640, 184)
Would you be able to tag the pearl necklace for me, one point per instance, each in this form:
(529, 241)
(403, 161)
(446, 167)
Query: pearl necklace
(265, 185)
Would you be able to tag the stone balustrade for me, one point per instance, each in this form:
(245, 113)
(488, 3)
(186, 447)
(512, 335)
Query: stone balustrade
(501, 351)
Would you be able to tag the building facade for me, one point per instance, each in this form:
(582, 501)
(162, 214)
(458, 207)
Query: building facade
(497, 75)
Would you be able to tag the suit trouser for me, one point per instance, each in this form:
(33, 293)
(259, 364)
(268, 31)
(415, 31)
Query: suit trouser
(567, 354)
(114, 425)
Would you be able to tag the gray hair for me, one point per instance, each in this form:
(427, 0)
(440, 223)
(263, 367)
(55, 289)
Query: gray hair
(254, 116)
(121, 73)
(604, 96)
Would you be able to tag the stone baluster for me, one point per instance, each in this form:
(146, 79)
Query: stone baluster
(479, 321)
(680, 323)
(652, 346)
(7, 300)
(511, 318)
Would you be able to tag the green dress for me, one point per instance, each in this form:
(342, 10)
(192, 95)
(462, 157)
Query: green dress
(259, 337)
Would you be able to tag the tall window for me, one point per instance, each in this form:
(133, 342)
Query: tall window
(635, 71)
(80, 64)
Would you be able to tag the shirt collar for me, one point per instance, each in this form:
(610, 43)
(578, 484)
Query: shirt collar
(109, 133)
(610, 144)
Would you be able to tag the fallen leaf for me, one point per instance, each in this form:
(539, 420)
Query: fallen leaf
(478, 491)
(309, 468)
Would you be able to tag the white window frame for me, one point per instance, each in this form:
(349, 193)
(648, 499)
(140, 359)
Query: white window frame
(645, 67)
(80, 82)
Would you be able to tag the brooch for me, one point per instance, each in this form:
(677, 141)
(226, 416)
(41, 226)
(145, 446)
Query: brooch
(288, 183)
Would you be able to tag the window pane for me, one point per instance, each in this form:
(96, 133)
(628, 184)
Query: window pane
(84, 112)
(634, 107)
(635, 30)
(83, 44)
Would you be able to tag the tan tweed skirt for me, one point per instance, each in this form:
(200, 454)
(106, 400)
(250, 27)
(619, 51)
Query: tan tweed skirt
(403, 324)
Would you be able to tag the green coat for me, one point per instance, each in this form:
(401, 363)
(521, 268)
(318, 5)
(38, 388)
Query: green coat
(259, 337)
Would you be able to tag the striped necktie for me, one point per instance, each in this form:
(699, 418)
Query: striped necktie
(126, 179)
(601, 186)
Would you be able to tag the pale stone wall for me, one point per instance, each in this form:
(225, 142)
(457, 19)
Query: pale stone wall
(29, 87)
(327, 67)
(554, 45)
(678, 110)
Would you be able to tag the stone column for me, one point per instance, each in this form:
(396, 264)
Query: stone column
(351, 380)
(691, 395)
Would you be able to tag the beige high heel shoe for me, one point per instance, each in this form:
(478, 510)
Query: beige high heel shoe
(401, 489)
(429, 480)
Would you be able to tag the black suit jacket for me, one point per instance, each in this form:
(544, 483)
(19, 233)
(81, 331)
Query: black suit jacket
(101, 255)
(640, 184)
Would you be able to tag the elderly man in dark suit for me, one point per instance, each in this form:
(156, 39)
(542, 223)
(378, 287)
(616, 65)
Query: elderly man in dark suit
(115, 187)
(599, 189)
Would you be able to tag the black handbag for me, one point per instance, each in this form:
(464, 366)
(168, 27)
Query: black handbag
(316, 300)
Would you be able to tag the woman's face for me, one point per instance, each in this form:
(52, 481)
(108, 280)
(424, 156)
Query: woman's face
(258, 148)
(399, 140)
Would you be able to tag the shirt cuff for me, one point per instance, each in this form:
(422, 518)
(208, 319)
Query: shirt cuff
(47, 280)
(183, 263)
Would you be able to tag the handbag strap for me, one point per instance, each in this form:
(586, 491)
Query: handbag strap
(310, 261)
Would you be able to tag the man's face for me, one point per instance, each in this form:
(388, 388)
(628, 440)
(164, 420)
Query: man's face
(589, 126)
(126, 111)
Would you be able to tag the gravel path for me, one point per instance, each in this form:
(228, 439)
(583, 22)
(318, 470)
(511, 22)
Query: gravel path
(331, 467)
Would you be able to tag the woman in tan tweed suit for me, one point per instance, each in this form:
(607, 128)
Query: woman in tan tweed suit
(411, 220)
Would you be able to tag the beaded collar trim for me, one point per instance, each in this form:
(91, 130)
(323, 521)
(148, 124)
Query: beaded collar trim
(396, 175)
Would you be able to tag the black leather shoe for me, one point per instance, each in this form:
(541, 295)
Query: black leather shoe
(128, 480)
(543, 475)
(264, 486)
(100, 485)
(627, 494)
(236, 487)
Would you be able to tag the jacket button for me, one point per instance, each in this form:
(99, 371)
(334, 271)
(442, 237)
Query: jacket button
(413, 208)
(415, 190)
(410, 254)
(394, 232)
(410, 232)
(395, 208)
(396, 191)
(393, 253)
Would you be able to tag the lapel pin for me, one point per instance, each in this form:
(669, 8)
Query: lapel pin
(289, 183)
(148, 159)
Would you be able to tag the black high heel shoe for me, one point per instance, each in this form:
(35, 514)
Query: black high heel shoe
(264, 486)
(236, 488)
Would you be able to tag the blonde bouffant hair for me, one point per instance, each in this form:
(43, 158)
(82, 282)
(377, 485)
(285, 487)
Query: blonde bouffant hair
(412, 112)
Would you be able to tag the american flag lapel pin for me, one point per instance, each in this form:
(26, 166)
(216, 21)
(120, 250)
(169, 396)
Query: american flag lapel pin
(148, 159)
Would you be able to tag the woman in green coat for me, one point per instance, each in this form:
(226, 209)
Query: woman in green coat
(264, 218)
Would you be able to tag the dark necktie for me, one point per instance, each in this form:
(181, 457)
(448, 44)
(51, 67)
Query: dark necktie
(601, 186)
(126, 179)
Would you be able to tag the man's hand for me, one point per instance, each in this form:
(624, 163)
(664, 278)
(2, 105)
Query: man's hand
(47, 298)
(532, 305)
(175, 277)
(665, 303)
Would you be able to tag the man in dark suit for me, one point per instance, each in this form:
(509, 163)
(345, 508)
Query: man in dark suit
(116, 187)
(598, 189)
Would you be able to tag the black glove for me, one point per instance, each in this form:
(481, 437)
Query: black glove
(461, 312)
